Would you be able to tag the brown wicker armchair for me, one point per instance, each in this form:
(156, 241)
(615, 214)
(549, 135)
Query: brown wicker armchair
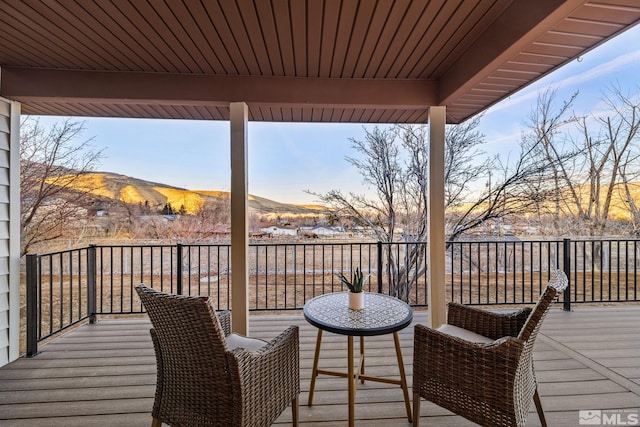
(210, 377)
(479, 365)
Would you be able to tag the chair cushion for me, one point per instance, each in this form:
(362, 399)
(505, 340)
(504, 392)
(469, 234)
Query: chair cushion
(464, 334)
(238, 341)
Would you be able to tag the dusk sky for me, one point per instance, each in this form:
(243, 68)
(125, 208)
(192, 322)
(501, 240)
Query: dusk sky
(287, 158)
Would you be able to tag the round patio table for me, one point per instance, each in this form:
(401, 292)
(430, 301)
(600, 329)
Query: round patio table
(381, 315)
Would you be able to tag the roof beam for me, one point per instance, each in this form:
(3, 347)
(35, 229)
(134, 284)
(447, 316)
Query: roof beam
(29, 84)
(520, 24)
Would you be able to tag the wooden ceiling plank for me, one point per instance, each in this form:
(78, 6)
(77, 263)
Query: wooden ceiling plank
(299, 30)
(561, 37)
(362, 30)
(436, 63)
(285, 113)
(409, 31)
(528, 75)
(200, 112)
(296, 114)
(38, 37)
(376, 115)
(523, 67)
(563, 52)
(282, 16)
(270, 34)
(129, 110)
(424, 39)
(330, 19)
(68, 109)
(170, 32)
(214, 48)
(141, 36)
(566, 43)
(307, 114)
(315, 13)
(512, 32)
(227, 40)
(238, 32)
(223, 113)
(49, 33)
(503, 80)
(396, 15)
(345, 32)
(205, 56)
(24, 50)
(625, 16)
(588, 27)
(256, 35)
(534, 58)
(370, 43)
(88, 26)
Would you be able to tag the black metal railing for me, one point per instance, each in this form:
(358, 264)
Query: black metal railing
(67, 287)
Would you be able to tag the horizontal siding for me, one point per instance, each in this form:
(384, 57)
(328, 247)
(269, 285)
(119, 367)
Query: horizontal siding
(5, 147)
(4, 194)
(4, 319)
(4, 141)
(4, 337)
(4, 283)
(4, 301)
(4, 159)
(4, 229)
(5, 108)
(4, 122)
(4, 265)
(4, 176)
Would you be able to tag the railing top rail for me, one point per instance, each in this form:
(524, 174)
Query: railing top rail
(62, 252)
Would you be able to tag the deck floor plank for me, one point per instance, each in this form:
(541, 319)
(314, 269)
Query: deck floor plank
(104, 374)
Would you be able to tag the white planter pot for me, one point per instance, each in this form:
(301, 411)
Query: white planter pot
(356, 300)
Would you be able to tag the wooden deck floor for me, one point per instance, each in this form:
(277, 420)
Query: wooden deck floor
(104, 374)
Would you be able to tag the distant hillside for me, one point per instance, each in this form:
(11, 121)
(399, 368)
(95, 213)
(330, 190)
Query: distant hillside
(131, 190)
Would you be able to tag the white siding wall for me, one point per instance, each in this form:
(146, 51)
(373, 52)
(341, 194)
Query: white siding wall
(9, 231)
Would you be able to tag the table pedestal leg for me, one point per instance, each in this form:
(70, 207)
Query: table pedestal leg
(352, 381)
(361, 367)
(314, 371)
(403, 378)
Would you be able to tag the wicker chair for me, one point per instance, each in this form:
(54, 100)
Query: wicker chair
(210, 377)
(479, 365)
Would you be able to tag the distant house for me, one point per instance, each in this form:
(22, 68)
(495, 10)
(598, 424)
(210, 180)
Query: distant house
(322, 230)
(280, 231)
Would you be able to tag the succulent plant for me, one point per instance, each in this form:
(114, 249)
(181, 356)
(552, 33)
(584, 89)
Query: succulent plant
(357, 284)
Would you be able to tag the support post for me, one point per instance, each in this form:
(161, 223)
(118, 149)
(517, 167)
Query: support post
(179, 268)
(32, 305)
(239, 116)
(379, 246)
(436, 268)
(566, 267)
(91, 283)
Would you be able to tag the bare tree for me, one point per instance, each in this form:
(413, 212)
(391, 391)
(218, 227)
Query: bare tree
(630, 191)
(52, 161)
(204, 224)
(591, 159)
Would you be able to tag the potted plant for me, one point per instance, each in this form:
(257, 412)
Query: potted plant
(356, 287)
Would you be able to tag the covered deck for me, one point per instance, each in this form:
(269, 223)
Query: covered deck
(104, 374)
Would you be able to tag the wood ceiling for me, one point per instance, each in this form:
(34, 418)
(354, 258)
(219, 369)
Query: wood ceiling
(361, 61)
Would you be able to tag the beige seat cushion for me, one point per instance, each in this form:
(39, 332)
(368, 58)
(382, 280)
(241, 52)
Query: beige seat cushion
(238, 341)
(464, 334)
